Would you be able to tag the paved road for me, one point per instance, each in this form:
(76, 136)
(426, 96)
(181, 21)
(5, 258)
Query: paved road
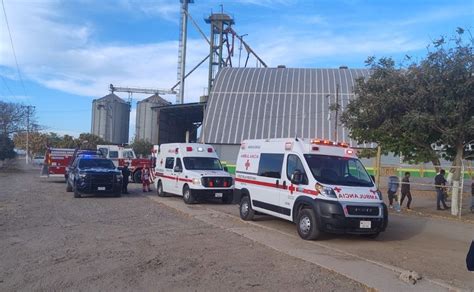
(50, 241)
(435, 248)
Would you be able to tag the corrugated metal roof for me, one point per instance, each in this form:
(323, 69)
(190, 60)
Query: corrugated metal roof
(260, 103)
(155, 98)
(110, 97)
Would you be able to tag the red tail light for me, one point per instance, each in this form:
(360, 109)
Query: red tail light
(211, 183)
(189, 149)
(209, 150)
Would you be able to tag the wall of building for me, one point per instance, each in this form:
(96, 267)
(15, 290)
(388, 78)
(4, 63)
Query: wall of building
(110, 119)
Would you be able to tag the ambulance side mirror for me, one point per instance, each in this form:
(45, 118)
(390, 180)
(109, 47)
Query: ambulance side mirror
(297, 177)
(373, 178)
(226, 169)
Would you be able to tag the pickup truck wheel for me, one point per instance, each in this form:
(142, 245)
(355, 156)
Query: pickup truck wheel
(159, 189)
(68, 186)
(76, 192)
(137, 176)
(245, 209)
(188, 197)
(306, 224)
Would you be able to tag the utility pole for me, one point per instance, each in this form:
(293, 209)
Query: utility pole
(337, 111)
(27, 132)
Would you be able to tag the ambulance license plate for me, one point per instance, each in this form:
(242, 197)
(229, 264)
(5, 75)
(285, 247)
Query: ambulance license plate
(218, 195)
(365, 224)
(101, 188)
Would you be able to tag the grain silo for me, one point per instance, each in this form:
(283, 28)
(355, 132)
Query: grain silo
(148, 117)
(111, 118)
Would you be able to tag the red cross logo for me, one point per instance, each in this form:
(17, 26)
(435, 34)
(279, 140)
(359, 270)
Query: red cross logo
(176, 178)
(292, 188)
(247, 165)
(373, 192)
(337, 189)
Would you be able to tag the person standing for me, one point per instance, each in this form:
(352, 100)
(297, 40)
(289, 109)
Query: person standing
(392, 189)
(405, 189)
(126, 176)
(440, 184)
(146, 179)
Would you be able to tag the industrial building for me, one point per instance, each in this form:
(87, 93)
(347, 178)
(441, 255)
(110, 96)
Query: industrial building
(260, 103)
(147, 126)
(111, 118)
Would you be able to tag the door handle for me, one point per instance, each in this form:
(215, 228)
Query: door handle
(284, 183)
(277, 183)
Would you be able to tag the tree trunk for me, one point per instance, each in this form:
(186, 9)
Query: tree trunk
(436, 163)
(457, 188)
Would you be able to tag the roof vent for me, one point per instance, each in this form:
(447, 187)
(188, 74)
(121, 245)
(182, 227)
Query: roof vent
(281, 66)
(343, 67)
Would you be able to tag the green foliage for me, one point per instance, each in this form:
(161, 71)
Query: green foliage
(142, 147)
(6, 147)
(408, 109)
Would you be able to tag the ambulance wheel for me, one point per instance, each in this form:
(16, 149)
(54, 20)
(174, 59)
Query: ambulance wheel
(245, 207)
(227, 198)
(137, 176)
(159, 189)
(306, 224)
(188, 197)
(76, 192)
(68, 187)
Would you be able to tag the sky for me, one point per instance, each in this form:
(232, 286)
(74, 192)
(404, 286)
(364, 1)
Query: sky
(69, 51)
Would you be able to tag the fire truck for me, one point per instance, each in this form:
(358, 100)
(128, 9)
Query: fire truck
(56, 161)
(121, 154)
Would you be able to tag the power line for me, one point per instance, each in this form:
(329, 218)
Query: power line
(13, 49)
(6, 85)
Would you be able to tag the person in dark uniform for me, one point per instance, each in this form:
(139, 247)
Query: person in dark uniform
(440, 183)
(406, 190)
(126, 176)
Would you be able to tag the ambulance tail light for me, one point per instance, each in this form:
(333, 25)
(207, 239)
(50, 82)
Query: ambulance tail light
(210, 150)
(189, 149)
(315, 148)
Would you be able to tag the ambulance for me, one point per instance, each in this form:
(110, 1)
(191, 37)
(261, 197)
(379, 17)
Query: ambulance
(320, 185)
(193, 171)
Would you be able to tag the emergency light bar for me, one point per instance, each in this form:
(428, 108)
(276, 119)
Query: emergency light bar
(329, 143)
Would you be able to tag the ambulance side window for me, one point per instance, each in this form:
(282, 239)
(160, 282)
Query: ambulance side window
(293, 163)
(113, 154)
(169, 162)
(270, 165)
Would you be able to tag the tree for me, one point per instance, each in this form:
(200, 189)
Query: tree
(409, 109)
(14, 116)
(6, 147)
(90, 141)
(37, 142)
(142, 147)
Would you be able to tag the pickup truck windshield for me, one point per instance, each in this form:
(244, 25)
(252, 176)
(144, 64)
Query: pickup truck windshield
(202, 163)
(335, 170)
(96, 163)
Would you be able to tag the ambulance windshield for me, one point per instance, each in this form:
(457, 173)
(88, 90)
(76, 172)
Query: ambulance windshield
(202, 163)
(335, 170)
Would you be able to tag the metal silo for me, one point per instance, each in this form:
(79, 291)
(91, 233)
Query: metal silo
(111, 119)
(147, 118)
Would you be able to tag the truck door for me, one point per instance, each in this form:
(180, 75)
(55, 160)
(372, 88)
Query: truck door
(266, 194)
(293, 166)
(178, 173)
(168, 179)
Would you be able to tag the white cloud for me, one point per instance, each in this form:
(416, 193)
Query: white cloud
(64, 57)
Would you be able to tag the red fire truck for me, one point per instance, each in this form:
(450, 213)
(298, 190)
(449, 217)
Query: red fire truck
(55, 161)
(120, 154)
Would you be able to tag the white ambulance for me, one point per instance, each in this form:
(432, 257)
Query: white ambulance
(318, 184)
(193, 171)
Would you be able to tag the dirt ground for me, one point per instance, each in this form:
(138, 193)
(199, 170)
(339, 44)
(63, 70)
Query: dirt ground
(51, 241)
